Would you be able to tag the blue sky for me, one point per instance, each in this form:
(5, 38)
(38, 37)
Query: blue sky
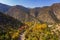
(30, 3)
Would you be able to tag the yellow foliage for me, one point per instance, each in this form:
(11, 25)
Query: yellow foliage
(15, 34)
(40, 32)
(29, 23)
(39, 26)
(36, 26)
(44, 26)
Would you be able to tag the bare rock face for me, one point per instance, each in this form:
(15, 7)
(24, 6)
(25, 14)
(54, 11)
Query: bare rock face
(49, 14)
(56, 10)
(45, 16)
(18, 12)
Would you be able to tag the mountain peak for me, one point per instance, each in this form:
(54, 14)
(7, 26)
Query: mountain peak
(56, 4)
(4, 8)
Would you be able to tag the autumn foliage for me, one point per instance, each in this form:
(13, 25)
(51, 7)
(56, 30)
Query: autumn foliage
(41, 32)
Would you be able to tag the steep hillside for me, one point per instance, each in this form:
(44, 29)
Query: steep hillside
(7, 21)
(4, 7)
(56, 10)
(49, 14)
(19, 12)
(44, 15)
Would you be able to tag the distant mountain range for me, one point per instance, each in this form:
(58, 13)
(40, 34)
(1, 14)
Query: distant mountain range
(48, 14)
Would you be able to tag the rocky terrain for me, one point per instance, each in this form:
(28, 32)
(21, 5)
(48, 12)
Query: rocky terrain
(49, 14)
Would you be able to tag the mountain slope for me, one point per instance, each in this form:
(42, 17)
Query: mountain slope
(56, 10)
(18, 12)
(7, 21)
(49, 14)
(4, 7)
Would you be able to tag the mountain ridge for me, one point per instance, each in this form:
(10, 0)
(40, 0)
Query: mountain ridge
(45, 14)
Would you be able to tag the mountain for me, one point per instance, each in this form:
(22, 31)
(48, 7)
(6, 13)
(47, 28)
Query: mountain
(18, 12)
(56, 10)
(8, 22)
(44, 14)
(49, 14)
(4, 7)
